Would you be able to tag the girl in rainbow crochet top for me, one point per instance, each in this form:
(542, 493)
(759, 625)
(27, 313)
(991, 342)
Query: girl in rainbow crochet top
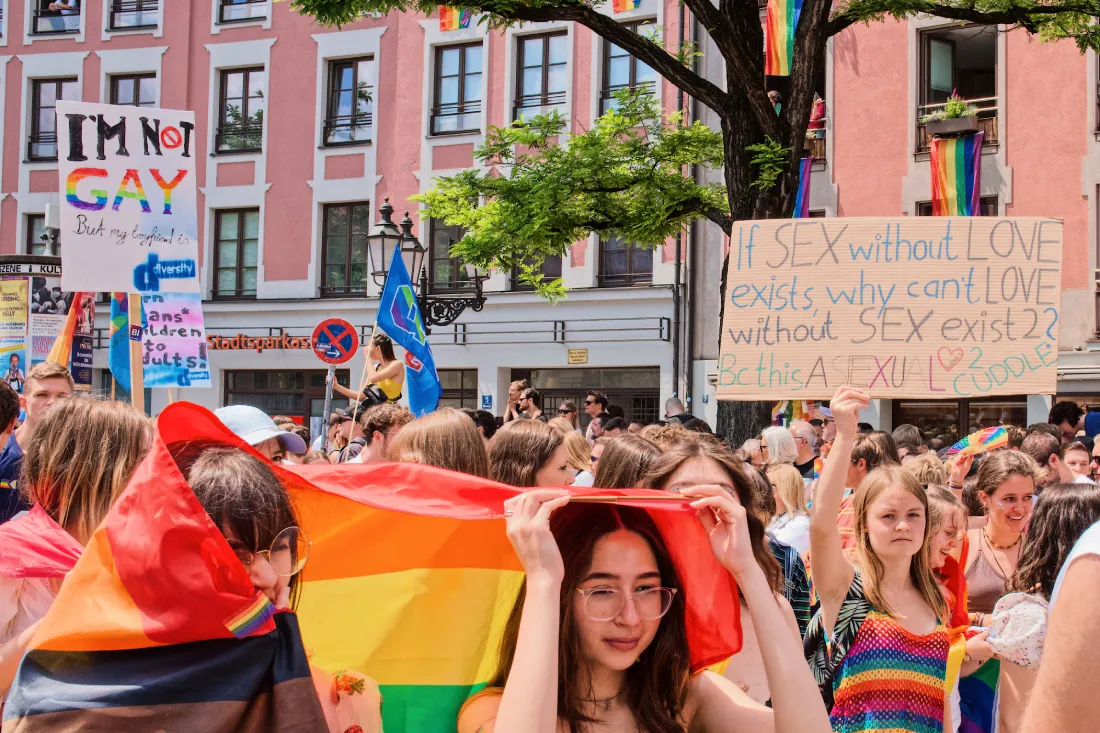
(885, 660)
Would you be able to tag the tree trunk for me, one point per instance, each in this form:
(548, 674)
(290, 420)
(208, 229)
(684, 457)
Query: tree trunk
(739, 421)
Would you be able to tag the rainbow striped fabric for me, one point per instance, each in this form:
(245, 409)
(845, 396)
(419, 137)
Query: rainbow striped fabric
(979, 695)
(780, 24)
(62, 350)
(802, 197)
(891, 680)
(622, 6)
(956, 175)
(453, 19)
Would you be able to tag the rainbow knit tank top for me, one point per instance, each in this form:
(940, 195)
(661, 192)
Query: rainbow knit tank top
(891, 681)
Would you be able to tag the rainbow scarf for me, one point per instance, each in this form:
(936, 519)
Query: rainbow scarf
(453, 19)
(956, 175)
(802, 197)
(780, 24)
(622, 6)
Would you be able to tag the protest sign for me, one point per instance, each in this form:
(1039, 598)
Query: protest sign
(128, 208)
(929, 307)
(174, 343)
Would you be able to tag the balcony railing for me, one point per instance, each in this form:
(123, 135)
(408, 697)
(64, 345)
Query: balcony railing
(42, 146)
(56, 22)
(239, 138)
(348, 129)
(450, 119)
(538, 104)
(987, 121)
(134, 14)
(236, 11)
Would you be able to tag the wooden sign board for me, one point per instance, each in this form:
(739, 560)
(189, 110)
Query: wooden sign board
(917, 307)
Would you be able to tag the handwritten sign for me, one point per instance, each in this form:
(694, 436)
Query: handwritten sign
(174, 343)
(929, 307)
(128, 207)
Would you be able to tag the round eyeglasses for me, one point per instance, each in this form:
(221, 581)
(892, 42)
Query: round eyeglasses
(287, 555)
(605, 604)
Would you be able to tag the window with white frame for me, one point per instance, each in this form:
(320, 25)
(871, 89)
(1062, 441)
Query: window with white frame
(541, 83)
(45, 94)
(350, 110)
(238, 11)
(241, 110)
(621, 71)
(136, 90)
(55, 17)
(128, 15)
(457, 89)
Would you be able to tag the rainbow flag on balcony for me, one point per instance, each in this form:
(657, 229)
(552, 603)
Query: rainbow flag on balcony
(779, 27)
(453, 19)
(802, 197)
(622, 6)
(956, 175)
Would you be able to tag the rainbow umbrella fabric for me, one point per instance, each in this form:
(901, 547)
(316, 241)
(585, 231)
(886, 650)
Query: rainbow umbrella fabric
(984, 440)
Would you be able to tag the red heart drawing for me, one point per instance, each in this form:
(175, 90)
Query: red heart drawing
(954, 356)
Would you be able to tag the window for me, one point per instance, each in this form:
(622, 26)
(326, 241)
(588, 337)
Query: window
(623, 263)
(235, 11)
(63, 18)
(457, 105)
(459, 388)
(623, 71)
(551, 270)
(241, 110)
(138, 90)
(446, 273)
(134, 14)
(236, 253)
(45, 94)
(37, 239)
(350, 102)
(298, 395)
(987, 205)
(344, 249)
(949, 420)
(959, 60)
(540, 75)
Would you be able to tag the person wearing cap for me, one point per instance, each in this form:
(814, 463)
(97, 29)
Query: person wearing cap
(254, 427)
(348, 434)
(828, 430)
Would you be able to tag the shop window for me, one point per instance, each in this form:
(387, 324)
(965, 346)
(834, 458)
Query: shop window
(951, 420)
(457, 105)
(299, 395)
(344, 248)
(459, 388)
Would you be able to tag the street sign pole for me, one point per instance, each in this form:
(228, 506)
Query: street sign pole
(334, 342)
(329, 380)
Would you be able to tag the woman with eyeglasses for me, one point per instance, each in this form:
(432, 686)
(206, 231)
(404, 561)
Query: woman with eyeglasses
(597, 638)
(248, 503)
(1006, 489)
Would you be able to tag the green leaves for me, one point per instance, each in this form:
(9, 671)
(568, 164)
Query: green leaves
(539, 192)
(771, 160)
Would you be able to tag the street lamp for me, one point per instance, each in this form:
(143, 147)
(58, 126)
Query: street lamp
(386, 239)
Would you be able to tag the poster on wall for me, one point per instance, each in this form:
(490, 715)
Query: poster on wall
(174, 343)
(128, 204)
(82, 342)
(48, 307)
(916, 307)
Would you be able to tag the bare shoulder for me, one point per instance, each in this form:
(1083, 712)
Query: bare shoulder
(479, 714)
(714, 703)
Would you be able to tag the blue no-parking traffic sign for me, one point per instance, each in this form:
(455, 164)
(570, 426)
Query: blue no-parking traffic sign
(335, 341)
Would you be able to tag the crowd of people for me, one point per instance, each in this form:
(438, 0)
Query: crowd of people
(884, 585)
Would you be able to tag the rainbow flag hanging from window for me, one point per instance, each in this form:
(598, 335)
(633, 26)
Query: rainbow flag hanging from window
(956, 175)
(780, 24)
(453, 19)
(622, 6)
(802, 197)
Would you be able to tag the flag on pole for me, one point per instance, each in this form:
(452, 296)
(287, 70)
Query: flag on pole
(956, 175)
(780, 24)
(399, 318)
(118, 350)
(453, 19)
(62, 350)
(802, 197)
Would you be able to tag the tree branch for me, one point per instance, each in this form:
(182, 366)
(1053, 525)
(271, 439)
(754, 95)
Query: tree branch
(638, 46)
(1022, 16)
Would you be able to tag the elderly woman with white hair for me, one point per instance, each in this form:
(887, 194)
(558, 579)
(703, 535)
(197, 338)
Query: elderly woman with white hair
(778, 446)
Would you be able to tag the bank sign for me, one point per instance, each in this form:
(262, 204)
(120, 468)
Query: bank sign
(259, 344)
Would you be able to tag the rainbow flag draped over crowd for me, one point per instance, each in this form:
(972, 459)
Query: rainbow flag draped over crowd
(779, 28)
(409, 581)
(956, 175)
(453, 19)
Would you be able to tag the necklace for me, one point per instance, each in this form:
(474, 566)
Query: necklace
(1004, 575)
(985, 533)
(605, 701)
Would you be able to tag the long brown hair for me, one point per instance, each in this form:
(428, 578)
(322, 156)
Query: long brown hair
(703, 447)
(1001, 465)
(1061, 516)
(520, 449)
(920, 566)
(84, 452)
(657, 684)
(624, 462)
(446, 438)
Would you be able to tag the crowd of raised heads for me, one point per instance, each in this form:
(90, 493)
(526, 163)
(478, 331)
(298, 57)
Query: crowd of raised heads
(950, 592)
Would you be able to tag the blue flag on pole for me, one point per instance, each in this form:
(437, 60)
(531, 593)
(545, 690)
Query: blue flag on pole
(399, 318)
(118, 352)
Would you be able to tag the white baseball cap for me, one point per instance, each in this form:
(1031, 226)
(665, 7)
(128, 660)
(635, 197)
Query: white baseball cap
(253, 426)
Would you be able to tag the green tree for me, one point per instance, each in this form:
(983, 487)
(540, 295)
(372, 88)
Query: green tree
(612, 180)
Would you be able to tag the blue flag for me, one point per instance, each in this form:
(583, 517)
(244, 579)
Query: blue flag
(399, 318)
(118, 352)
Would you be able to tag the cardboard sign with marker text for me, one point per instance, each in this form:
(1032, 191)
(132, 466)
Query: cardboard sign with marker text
(128, 199)
(917, 307)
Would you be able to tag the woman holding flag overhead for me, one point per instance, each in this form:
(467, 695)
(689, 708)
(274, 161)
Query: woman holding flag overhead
(607, 629)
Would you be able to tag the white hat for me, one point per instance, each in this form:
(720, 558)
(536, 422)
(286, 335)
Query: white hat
(826, 413)
(253, 426)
